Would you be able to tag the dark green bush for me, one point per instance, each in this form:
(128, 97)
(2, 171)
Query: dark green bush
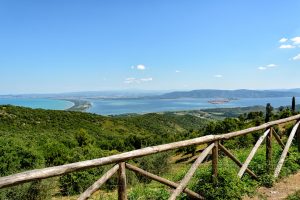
(229, 186)
(157, 164)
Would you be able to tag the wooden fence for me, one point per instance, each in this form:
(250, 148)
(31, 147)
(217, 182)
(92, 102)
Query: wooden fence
(214, 146)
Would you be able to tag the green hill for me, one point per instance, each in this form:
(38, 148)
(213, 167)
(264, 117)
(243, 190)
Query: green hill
(36, 138)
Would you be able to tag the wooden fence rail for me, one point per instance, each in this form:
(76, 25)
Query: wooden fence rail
(213, 147)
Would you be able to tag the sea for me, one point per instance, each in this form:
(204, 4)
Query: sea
(122, 106)
(141, 106)
(51, 104)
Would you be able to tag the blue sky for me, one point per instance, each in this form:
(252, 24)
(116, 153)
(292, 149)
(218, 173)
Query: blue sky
(76, 45)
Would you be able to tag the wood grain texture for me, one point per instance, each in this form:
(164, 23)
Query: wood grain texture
(215, 157)
(122, 189)
(269, 152)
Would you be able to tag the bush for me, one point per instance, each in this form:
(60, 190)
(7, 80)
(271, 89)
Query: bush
(36, 190)
(142, 192)
(78, 182)
(267, 180)
(157, 164)
(295, 196)
(229, 185)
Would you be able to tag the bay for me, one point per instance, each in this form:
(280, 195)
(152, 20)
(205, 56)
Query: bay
(52, 104)
(141, 106)
(122, 106)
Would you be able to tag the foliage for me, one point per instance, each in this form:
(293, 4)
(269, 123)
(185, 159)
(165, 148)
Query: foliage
(31, 139)
(142, 192)
(293, 105)
(36, 138)
(157, 164)
(229, 186)
(269, 113)
(295, 196)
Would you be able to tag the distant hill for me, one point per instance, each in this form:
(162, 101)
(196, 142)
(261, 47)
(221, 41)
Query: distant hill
(294, 90)
(206, 93)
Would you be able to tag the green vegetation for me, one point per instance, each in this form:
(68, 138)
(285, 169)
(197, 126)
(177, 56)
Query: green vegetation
(36, 138)
(295, 196)
(294, 105)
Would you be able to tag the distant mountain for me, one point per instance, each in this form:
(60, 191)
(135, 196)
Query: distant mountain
(294, 90)
(229, 94)
(288, 90)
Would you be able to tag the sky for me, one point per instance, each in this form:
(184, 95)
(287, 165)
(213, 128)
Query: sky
(55, 46)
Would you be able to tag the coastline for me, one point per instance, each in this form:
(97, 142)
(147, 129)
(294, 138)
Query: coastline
(79, 105)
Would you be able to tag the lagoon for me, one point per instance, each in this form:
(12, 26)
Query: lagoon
(52, 104)
(141, 106)
(122, 106)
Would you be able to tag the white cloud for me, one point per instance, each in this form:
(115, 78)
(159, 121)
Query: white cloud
(267, 67)
(296, 40)
(297, 57)
(137, 81)
(146, 79)
(177, 71)
(286, 46)
(272, 65)
(130, 80)
(218, 76)
(283, 40)
(139, 67)
(262, 68)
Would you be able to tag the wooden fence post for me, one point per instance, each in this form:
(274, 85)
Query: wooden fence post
(285, 150)
(122, 195)
(269, 151)
(215, 155)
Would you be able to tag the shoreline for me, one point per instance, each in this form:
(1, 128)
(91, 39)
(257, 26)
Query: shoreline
(79, 105)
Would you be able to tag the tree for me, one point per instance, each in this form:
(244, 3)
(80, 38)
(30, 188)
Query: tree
(293, 105)
(269, 110)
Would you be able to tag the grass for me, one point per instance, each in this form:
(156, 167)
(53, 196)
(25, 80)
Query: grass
(295, 196)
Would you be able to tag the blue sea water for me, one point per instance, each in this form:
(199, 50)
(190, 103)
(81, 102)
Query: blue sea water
(122, 106)
(52, 104)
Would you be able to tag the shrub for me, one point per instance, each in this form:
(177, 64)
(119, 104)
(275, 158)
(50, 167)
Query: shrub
(157, 164)
(229, 185)
(142, 192)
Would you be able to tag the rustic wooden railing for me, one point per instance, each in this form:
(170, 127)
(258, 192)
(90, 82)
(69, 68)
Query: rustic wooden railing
(214, 146)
